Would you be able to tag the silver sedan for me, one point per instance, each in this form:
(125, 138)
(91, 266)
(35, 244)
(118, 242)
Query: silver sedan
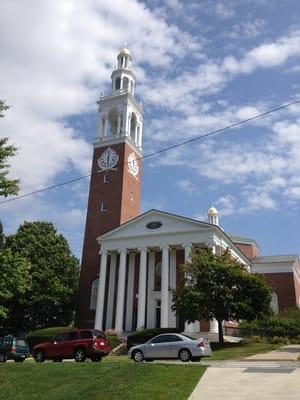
(171, 345)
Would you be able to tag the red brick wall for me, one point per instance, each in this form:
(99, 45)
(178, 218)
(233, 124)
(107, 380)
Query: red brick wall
(120, 209)
(249, 250)
(283, 285)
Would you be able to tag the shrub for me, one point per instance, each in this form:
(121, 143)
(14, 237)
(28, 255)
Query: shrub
(257, 339)
(286, 323)
(143, 336)
(114, 340)
(43, 335)
(296, 340)
(278, 340)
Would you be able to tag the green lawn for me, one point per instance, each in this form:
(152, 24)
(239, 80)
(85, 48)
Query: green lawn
(91, 381)
(234, 351)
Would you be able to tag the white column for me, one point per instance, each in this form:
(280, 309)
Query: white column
(101, 292)
(172, 314)
(213, 326)
(111, 290)
(105, 133)
(150, 300)
(119, 125)
(190, 328)
(130, 288)
(164, 287)
(121, 292)
(142, 289)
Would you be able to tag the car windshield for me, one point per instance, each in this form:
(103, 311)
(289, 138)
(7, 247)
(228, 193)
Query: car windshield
(20, 342)
(99, 334)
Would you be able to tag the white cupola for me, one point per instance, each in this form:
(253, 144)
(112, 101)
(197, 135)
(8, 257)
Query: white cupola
(123, 77)
(213, 216)
(120, 114)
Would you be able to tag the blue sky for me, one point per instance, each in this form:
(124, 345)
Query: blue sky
(200, 65)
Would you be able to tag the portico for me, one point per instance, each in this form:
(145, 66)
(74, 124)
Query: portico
(140, 265)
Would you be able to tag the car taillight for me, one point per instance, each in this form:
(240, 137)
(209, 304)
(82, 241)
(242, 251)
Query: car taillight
(14, 350)
(200, 344)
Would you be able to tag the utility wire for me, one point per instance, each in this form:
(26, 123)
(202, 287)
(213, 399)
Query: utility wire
(165, 149)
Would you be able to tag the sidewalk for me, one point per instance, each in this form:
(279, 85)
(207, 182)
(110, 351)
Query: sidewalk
(274, 375)
(286, 353)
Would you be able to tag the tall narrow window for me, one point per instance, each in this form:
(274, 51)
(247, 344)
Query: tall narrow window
(104, 207)
(133, 122)
(94, 293)
(118, 83)
(125, 83)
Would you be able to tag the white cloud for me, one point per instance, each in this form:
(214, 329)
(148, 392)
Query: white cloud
(186, 186)
(227, 205)
(223, 11)
(53, 63)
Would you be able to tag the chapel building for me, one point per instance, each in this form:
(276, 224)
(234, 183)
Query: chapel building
(131, 261)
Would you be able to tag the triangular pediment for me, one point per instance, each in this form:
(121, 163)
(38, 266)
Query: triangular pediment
(155, 222)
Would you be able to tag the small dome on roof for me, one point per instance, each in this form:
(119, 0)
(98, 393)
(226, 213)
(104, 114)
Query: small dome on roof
(212, 211)
(124, 52)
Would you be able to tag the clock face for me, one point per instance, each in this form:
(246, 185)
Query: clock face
(133, 167)
(108, 159)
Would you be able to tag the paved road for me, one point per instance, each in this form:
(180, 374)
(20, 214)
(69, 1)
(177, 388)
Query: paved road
(252, 378)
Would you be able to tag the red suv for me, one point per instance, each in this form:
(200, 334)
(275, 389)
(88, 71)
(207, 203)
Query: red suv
(78, 344)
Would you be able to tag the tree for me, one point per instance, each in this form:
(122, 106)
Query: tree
(3, 107)
(219, 287)
(7, 186)
(14, 282)
(54, 272)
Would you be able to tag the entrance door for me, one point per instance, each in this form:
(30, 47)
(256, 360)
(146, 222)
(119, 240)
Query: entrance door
(157, 313)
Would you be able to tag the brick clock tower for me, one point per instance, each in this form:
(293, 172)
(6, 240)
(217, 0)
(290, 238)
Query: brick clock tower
(114, 195)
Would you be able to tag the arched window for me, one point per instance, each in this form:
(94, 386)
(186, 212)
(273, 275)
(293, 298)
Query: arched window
(157, 277)
(274, 303)
(132, 126)
(125, 83)
(118, 83)
(94, 294)
(113, 122)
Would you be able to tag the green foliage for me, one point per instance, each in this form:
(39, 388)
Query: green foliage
(286, 323)
(15, 280)
(51, 298)
(3, 107)
(7, 186)
(143, 336)
(2, 237)
(220, 287)
(114, 341)
(279, 340)
(43, 335)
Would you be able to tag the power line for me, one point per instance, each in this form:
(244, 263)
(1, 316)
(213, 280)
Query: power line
(171, 147)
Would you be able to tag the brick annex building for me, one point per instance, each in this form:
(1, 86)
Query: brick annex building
(131, 262)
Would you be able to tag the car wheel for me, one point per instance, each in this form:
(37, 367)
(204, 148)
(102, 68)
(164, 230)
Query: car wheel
(58, 359)
(185, 355)
(138, 356)
(3, 357)
(80, 355)
(96, 358)
(39, 356)
(196, 359)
